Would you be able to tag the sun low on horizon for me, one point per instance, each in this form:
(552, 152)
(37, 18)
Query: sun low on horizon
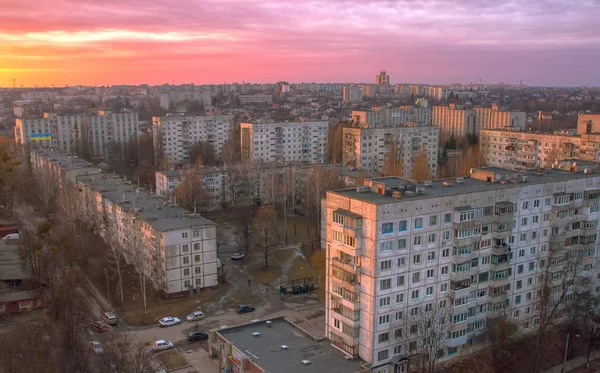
(90, 42)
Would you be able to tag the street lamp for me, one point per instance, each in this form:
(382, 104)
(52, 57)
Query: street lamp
(562, 370)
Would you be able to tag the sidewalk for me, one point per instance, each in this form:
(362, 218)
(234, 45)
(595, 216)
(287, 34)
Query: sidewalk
(575, 363)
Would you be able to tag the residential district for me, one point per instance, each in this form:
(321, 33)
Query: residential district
(300, 227)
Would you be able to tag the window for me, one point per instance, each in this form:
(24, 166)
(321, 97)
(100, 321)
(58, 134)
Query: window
(418, 223)
(433, 220)
(443, 287)
(531, 266)
(416, 258)
(385, 265)
(382, 355)
(524, 221)
(384, 319)
(196, 233)
(523, 237)
(398, 333)
(520, 268)
(402, 225)
(384, 337)
(385, 246)
(417, 241)
(535, 219)
(414, 294)
(336, 323)
(384, 302)
(400, 298)
(431, 255)
(185, 248)
(385, 284)
(187, 284)
(184, 235)
(397, 349)
(387, 228)
(521, 253)
(196, 246)
(444, 270)
(525, 205)
(198, 282)
(186, 260)
(400, 280)
(519, 284)
(446, 235)
(518, 299)
(198, 270)
(445, 253)
(430, 273)
(429, 290)
(432, 238)
(186, 272)
(536, 203)
(399, 315)
(448, 217)
(402, 244)
(532, 250)
(416, 277)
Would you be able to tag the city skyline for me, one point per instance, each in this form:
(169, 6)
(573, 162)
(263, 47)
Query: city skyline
(63, 42)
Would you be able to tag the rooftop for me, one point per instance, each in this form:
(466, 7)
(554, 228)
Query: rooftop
(12, 266)
(265, 350)
(398, 189)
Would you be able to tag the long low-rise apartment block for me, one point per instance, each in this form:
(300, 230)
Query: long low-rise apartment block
(455, 255)
(367, 148)
(526, 150)
(174, 248)
(304, 142)
(397, 116)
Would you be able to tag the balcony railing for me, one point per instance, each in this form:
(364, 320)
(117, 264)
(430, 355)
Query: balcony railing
(346, 265)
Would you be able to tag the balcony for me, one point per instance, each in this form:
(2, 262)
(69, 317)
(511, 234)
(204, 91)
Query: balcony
(466, 224)
(499, 262)
(346, 265)
(500, 234)
(505, 208)
(339, 342)
(500, 249)
(350, 250)
(461, 276)
(466, 241)
(351, 285)
(456, 341)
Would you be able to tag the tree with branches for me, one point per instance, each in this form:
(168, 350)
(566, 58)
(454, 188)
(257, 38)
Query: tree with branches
(191, 194)
(46, 189)
(264, 234)
(393, 165)
(318, 181)
(428, 333)
(420, 169)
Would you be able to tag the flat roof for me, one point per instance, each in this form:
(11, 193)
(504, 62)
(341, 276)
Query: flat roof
(12, 266)
(468, 185)
(265, 350)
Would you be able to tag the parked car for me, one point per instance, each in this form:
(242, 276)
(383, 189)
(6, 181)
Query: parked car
(100, 326)
(12, 236)
(110, 318)
(195, 316)
(168, 321)
(237, 256)
(96, 347)
(161, 344)
(196, 335)
(244, 308)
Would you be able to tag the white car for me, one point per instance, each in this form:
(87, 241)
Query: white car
(96, 347)
(162, 345)
(195, 316)
(237, 256)
(168, 321)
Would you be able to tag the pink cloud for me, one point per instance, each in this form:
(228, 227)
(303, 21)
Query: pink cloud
(443, 41)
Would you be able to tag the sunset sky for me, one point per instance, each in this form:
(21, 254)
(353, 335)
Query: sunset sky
(543, 42)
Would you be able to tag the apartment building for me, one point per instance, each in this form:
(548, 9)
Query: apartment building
(382, 79)
(437, 93)
(527, 150)
(399, 116)
(352, 93)
(92, 132)
(175, 249)
(255, 99)
(304, 142)
(178, 133)
(494, 118)
(588, 123)
(65, 167)
(454, 120)
(473, 248)
(366, 148)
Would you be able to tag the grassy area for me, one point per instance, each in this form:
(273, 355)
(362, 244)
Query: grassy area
(172, 360)
(241, 296)
(266, 276)
(300, 268)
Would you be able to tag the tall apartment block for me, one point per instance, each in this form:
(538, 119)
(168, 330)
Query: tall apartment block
(382, 79)
(304, 142)
(175, 249)
(527, 150)
(494, 118)
(399, 116)
(95, 130)
(366, 148)
(453, 119)
(473, 247)
(179, 133)
(588, 123)
(437, 93)
(352, 93)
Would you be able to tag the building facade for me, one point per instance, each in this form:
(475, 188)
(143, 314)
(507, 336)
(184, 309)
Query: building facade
(382, 79)
(93, 133)
(304, 142)
(366, 148)
(454, 120)
(477, 249)
(494, 118)
(174, 248)
(588, 123)
(176, 135)
(527, 150)
(398, 116)
(352, 93)
(255, 99)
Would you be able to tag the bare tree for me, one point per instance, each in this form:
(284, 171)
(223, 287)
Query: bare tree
(319, 180)
(420, 169)
(124, 354)
(12, 176)
(393, 164)
(272, 185)
(584, 313)
(27, 349)
(228, 154)
(264, 233)
(46, 188)
(428, 333)
(115, 254)
(191, 194)
(290, 179)
(72, 206)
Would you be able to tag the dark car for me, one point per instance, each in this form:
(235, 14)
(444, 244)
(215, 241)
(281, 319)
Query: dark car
(197, 335)
(244, 308)
(100, 326)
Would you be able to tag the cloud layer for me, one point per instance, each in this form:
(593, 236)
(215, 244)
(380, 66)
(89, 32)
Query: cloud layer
(543, 42)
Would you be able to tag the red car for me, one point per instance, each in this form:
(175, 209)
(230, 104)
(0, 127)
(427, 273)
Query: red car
(100, 326)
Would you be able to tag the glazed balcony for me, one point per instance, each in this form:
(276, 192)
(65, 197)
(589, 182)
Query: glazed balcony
(346, 265)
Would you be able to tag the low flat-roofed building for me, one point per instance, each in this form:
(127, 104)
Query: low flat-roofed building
(280, 347)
